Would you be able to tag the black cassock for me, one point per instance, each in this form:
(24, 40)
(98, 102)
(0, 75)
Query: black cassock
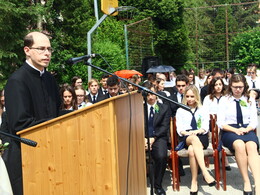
(29, 100)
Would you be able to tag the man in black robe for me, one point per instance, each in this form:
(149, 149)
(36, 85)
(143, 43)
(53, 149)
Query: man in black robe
(31, 97)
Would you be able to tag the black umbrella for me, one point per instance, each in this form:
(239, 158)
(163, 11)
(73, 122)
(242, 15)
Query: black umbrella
(160, 68)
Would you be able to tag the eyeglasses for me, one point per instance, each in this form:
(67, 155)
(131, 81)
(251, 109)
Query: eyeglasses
(42, 50)
(238, 87)
(251, 72)
(80, 95)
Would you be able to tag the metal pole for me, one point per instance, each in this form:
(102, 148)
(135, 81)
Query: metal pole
(126, 46)
(227, 49)
(96, 9)
(89, 42)
(197, 52)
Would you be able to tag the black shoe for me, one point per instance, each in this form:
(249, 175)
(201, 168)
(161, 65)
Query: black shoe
(248, 193)
(159, 191)
(211, 183)
(193, 193)
(228, 168)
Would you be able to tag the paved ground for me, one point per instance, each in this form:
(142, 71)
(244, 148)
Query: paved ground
(234, 182)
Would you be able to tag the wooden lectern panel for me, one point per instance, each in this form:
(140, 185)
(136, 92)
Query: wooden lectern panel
(86, 151)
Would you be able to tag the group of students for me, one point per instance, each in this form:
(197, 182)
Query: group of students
(235, 107)
(32, 97)
(75, 96)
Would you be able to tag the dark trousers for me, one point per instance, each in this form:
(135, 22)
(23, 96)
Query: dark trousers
(159, 155)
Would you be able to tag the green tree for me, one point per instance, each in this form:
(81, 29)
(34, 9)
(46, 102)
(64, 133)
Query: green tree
(170, 35)
(16, 17)
(247, 47)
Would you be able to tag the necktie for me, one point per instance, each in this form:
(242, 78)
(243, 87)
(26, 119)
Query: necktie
(239, 113)
(94, 99)
(150, 123)
(193, 123)
(253, 84)
(181, 97)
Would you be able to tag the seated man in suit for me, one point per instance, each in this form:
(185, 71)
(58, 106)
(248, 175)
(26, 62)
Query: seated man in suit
(182, 82)
(103, 84)
(94, 96)
(158, 128)
(113, 86)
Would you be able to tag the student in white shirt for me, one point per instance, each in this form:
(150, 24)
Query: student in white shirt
(237, 118)
(193, 128)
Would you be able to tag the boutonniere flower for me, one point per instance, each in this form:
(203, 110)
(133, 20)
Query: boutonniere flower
(156, 108)
(199, 123)
(243, 103)
(3, 147)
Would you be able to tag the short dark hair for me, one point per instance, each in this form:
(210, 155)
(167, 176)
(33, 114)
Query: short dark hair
(105, 75)
(112, 81)
(217, 70)
(182, 77)
(28, 40)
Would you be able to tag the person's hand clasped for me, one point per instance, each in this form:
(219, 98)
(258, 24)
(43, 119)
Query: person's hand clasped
(241, 131)
(151, 143)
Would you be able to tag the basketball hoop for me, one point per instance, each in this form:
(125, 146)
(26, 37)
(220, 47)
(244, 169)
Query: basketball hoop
(125, 12)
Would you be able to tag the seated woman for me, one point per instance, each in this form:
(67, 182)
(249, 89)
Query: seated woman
(193, 128)
(69, 98)
(211, 101)
(237, 118)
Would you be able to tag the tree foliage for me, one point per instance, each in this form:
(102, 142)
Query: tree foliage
(16, 17)
(247, 47)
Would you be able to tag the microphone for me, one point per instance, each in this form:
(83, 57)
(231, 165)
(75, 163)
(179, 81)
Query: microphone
(19, 139)
(81, 58)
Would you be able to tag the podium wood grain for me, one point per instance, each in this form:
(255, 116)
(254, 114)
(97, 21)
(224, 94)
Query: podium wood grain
(87, 151)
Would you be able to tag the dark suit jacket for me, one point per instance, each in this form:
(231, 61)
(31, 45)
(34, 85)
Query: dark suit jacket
(204, 92)
(174, 107)
(161, 122)
(99, 98)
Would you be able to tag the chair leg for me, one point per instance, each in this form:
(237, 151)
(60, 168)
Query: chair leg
(224, 176)
(176, 179)
(217, 169)
(173, 171)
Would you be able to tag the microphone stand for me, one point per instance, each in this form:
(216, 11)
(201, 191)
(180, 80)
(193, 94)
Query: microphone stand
(19, 139)
(145, 91)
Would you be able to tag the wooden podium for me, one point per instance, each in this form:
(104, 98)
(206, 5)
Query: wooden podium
(95, 150)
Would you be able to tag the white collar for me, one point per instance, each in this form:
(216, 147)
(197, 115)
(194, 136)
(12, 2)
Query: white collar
(41, 72)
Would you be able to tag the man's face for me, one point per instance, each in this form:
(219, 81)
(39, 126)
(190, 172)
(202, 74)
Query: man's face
(39, 54)
(218, 75)
(93, 88)
(151, 98)
(181, 86)
(113, 90)
(80, 95)
(104, 83)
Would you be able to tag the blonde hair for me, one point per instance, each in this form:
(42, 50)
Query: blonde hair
(195, 91)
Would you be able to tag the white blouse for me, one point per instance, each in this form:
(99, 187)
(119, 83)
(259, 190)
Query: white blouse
(227, 111)
(184, 117)
(211, 106)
